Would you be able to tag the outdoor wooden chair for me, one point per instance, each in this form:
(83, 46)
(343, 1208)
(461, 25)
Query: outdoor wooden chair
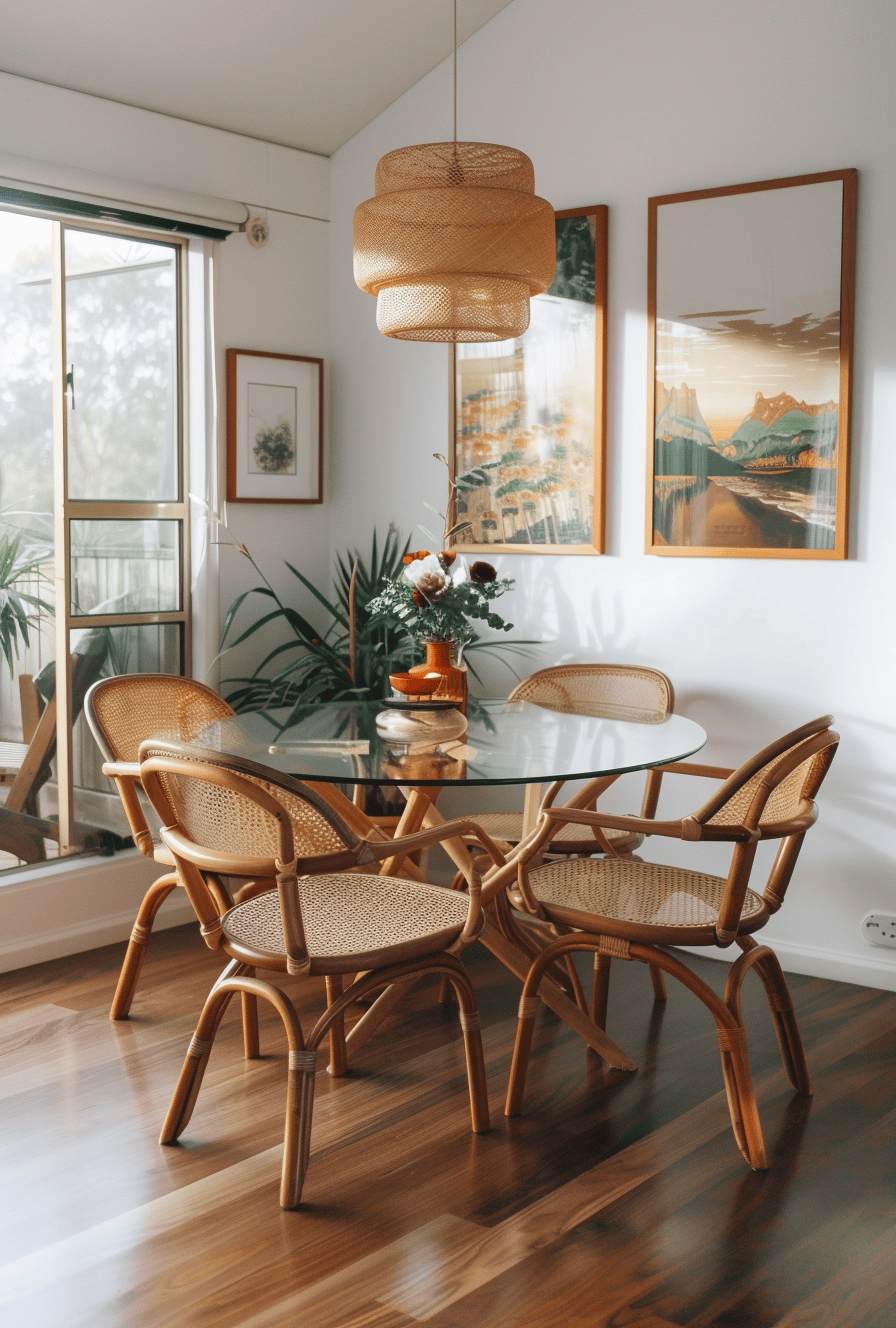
(224, 816)
(25, 767)
(625, 909)
(122, 712)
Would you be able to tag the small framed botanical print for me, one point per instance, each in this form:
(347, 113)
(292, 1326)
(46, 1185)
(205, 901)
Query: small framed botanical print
(275, 422)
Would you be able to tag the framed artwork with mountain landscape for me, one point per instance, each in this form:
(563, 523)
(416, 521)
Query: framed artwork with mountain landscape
(750, 309)
(529, 416)
(275, 427)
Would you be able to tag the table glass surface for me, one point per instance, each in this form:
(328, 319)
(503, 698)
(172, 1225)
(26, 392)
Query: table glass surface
(507, 742)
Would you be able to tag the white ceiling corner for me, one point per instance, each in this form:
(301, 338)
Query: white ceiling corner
(302, 73)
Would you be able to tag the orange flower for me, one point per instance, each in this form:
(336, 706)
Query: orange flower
(447, 556)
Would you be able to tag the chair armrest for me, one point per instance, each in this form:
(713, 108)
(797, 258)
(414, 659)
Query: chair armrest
(456, 829)
(685, 829)
(693, 768)
(122, 769)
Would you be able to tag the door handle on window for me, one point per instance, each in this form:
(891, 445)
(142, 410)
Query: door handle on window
(70, 383)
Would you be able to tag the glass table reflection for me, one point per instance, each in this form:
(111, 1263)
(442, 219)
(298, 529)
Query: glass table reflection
(507, 742)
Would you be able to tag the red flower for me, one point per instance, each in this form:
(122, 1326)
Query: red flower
(482, 573)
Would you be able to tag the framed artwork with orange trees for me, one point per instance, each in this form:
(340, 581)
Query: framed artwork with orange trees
(528, 416)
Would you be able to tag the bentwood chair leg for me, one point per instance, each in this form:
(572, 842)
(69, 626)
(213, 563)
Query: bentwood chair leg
(733, 1048)
(575, 983)
(659, 983)
(525, 1027)
(249, 1008)
(600, 989)
(297, 1134)
(522, 1048)
(193, 1070)
(741, 1097)
(469, 1022)
(397, 978)
(336, 1036)
(765, 961)
(300, 1075)
(155, 896)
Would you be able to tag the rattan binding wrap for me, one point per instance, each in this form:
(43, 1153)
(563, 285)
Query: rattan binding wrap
(454, 242)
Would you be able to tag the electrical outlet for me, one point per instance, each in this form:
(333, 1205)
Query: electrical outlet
(880, 929)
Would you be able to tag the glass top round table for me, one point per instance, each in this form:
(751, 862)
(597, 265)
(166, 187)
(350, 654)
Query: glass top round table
(507, 742)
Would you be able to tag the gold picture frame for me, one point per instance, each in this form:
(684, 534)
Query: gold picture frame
(528, 416)
(750, 326)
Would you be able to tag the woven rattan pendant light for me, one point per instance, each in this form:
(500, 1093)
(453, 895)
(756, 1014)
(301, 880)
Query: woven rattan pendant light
(455, 240)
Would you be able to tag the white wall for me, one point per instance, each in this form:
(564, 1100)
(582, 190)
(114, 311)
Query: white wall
(273, 299)
(615, 103)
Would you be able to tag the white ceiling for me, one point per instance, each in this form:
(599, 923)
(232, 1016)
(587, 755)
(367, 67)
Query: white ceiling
(305, 73)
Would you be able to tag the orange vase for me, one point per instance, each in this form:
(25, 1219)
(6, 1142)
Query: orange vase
(453, 686)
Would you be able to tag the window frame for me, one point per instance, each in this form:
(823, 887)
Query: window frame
(67, 510)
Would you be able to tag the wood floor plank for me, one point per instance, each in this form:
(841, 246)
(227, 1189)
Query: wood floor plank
(620, 1198)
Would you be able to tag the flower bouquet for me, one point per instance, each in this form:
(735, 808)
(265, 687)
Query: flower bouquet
(437, 597)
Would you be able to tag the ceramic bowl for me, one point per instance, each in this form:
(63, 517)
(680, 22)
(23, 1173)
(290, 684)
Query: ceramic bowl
(414, 684)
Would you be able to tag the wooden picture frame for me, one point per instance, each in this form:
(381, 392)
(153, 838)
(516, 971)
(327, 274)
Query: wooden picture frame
(275, 427)
(528, 416)
(750, 328)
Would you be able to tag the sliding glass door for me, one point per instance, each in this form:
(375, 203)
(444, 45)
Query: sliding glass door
(93, 506)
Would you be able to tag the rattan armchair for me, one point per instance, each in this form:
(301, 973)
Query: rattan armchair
(622, 908)
(327, 916)
(610, 691)
(122, 712)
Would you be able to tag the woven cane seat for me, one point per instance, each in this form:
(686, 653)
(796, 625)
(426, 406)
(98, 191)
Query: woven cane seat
(570, 838)
(353, 921)
(648, 900)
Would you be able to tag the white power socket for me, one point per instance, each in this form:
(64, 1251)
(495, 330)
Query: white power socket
(880, 929)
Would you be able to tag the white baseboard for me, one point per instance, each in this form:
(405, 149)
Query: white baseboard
(66, 907)
(876, 969)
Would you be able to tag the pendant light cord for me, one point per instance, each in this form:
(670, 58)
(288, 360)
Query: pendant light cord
(455, 71)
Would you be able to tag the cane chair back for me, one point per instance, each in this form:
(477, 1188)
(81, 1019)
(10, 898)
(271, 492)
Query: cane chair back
(601, 691)
(122, 712)
(625, 909)
(225, 815)
(126, 710)
(605, 691)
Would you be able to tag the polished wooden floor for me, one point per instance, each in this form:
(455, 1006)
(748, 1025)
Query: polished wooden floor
(614, 1200)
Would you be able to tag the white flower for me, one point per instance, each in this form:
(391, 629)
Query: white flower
(426, 568)
(434, 575)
